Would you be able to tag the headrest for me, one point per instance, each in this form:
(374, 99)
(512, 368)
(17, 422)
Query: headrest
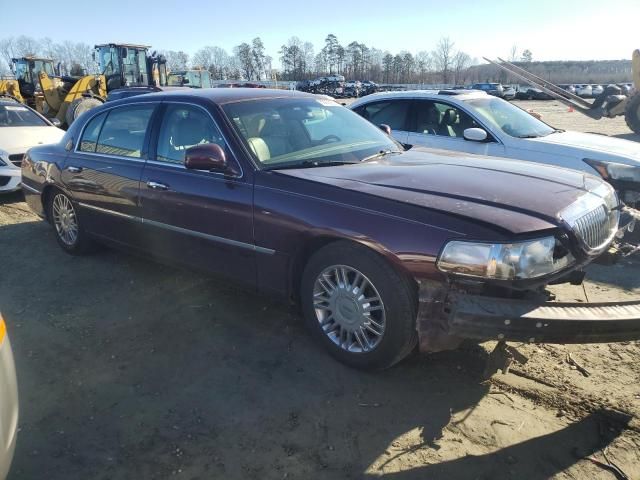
(450, 117)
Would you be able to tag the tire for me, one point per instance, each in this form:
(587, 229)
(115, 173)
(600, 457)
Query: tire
(79, 106)
(395, 311)
(632, 113)
(80, 243)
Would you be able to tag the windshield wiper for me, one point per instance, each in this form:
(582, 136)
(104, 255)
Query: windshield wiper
(310, 164)
(380, 154)
(530, 135)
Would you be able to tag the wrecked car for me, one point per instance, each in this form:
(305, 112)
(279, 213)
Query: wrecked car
(383, 248)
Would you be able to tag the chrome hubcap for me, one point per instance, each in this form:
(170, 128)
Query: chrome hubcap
(64, 219)
(349, 309)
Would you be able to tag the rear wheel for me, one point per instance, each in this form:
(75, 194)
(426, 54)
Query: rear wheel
(632, 113)
(79, 106)
(66, 224)
(358, 306)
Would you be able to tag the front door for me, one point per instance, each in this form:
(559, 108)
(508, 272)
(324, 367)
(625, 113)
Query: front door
(200, 218)
(103, 173)
(442, 125)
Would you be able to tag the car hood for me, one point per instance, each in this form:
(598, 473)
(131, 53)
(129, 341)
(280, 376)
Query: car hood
(597, 144)
(20, 139)
(514, 195)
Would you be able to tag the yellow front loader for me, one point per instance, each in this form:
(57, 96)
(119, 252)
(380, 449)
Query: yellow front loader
(66, 99)
(11, 88)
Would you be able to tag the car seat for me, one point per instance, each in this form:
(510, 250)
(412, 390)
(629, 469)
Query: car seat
(428, 120)
(449, 126)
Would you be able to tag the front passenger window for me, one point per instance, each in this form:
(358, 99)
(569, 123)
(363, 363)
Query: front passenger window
(185, 126)
(442, 119)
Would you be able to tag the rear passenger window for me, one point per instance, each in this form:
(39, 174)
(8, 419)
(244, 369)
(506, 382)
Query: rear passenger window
(90, 136)
(392, 113)
(124, 131)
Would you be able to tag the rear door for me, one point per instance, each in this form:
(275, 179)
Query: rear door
(394, 113)
(103, 172)
(441, 125)
(198, 217)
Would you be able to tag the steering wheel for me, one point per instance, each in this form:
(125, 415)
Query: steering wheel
(329, 139)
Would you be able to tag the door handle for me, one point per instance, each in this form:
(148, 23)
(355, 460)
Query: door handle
(157, 185)
(73, 169)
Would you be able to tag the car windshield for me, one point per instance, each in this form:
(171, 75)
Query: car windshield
(291, 132)
(19, 116)
(510, 119)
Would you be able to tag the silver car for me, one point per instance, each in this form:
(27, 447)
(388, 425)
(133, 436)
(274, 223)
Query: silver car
(8, 402)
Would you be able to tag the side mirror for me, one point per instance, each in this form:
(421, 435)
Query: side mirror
(385, 128)
(475, 134)
(210, 157)
(56, 122)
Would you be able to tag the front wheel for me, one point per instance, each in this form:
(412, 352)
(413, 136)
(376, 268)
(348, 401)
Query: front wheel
(66, 224)
(358, 306)
(79, 106)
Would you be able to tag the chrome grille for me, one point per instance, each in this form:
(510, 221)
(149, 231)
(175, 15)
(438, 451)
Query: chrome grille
(16, 159)
(596, 227)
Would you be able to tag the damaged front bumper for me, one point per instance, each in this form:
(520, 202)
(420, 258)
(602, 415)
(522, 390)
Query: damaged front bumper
(443, 325)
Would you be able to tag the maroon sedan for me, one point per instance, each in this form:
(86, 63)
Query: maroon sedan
(383, 247)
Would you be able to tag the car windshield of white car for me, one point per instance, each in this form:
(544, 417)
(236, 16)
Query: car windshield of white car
(510, 119)
(306, 132)
(19, 116)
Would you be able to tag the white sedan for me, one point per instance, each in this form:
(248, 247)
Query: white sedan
(20, 129)
(475, 122)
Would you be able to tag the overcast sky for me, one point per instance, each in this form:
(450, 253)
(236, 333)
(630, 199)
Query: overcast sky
(552, 30)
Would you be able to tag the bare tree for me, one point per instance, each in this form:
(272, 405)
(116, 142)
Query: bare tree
(513, 53)
(214, 59)
(424, 64)
(176, 61)
(443, 57)
(7, 49)
(26, 46)
(461, 62)
(527, 56)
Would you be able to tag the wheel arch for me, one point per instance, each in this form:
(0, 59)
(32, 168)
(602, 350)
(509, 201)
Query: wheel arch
(45, 196)
(306, 251)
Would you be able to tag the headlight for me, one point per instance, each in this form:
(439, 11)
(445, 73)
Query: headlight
(4, 158)
(616, 171)
(504, 261)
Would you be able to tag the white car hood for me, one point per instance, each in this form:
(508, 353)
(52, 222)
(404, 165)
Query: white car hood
(590, 142)
(20, 139)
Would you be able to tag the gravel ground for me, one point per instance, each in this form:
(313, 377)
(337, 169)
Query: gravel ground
(131, 369)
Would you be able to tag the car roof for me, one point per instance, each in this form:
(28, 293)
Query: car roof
(428, 94)
(9, 101)
(221, 96)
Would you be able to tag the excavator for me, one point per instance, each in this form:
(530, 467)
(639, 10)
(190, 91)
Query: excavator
(611, 103)
(121, 67)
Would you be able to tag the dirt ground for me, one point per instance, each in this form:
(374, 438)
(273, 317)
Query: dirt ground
(133, 370)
